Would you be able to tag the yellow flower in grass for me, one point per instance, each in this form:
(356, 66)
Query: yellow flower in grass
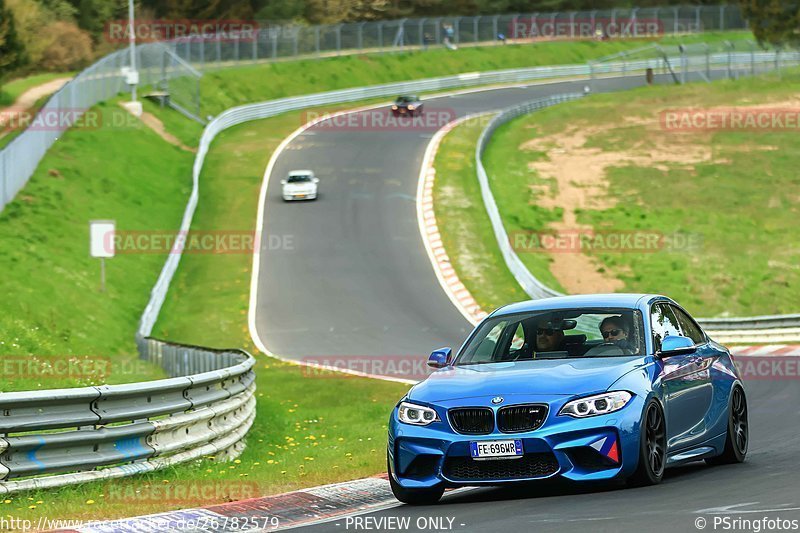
(89, 502)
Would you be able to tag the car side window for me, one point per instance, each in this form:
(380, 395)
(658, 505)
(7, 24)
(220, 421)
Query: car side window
(688, 326)
(663, 323)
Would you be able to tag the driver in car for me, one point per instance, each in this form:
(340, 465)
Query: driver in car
(615, 330)
(549, 337)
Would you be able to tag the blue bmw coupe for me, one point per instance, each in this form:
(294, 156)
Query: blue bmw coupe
(588, 388)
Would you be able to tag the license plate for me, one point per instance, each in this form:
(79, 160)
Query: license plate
(300, 196)
(495, 448)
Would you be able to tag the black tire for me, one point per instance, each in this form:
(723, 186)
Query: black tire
(652, 447)
(413, 496)
(738, 436)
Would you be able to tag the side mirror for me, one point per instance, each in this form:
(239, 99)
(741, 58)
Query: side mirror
(283, 182)
(440, 358)
(676, 345)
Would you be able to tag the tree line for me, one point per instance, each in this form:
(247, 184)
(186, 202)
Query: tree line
(59, 35)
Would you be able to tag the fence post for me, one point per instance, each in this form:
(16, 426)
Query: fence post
(360, 36)
(697, 20)
(752, 58)
(296, 43)
(316, 39)
(495, 31)
(514, 24)
(708, 61)
(255, 44)
(592, 18)
(676, 13)
(722, 17)
(572, 24)
(475, 28)
(339, 39)
(729, 45)
(633, 21)
(614, 17)
(274, 45)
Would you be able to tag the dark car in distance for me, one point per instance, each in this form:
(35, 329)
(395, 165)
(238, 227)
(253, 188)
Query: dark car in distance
(407, 105)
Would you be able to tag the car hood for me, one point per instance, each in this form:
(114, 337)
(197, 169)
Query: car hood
(299, 187)
(553, 377)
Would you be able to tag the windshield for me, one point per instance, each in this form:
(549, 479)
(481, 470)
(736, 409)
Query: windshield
(556, 334)
(406, 99)
(298, 179)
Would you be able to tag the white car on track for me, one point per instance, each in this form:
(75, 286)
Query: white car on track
(300, 185)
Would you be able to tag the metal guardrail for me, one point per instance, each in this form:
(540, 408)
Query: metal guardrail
(783, 325)
(241, 114)
(61, 437)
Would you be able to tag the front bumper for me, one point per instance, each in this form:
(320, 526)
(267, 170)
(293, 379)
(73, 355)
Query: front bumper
(590, 449)
(293, 197)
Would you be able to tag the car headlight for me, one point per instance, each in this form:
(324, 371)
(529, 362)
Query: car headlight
(416, 415)
(411, 107)
(394, 108)
(599, 404)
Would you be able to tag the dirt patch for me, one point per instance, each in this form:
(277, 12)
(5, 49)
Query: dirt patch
(578, 173)
(155, 124)
(575, 178)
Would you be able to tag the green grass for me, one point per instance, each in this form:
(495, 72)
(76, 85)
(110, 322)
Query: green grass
(464, 225)
(741, 206)
(228, 87)
(304, 433)
(53, 307)
(208, 301)
(10, 91)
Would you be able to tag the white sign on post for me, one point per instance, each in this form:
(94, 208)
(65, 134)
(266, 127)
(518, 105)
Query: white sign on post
(101, 244)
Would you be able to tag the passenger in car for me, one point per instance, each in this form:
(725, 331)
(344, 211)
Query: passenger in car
(615, 330)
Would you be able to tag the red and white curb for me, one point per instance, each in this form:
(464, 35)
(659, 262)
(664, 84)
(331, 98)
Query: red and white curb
(772, 350)
(432, 239)
(270, 513)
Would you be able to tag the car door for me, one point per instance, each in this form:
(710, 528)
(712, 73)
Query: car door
(685, 387)
(703, 359)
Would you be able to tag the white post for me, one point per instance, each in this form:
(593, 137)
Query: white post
(132, 39)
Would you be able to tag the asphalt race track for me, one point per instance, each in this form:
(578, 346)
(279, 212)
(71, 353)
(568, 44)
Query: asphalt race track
(354, 278)
(765, 485)
(357, 281)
